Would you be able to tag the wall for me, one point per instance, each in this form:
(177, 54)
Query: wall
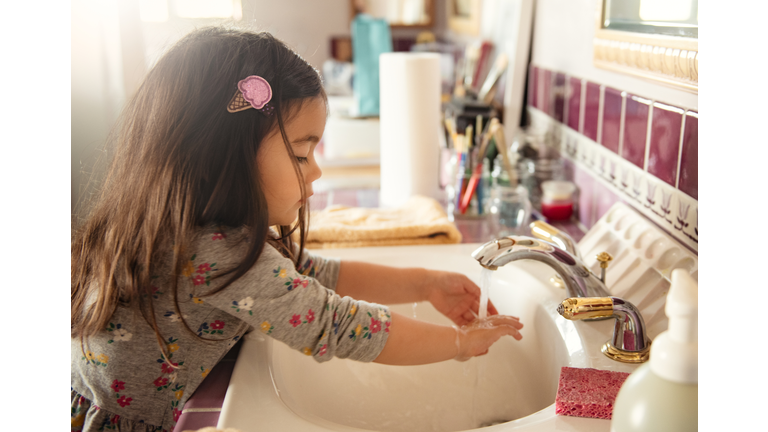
(626, 139)
(562, 41)
(112, 50)
(106, 65)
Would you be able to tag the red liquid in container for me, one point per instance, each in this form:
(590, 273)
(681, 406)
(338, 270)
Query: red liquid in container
(557, 210)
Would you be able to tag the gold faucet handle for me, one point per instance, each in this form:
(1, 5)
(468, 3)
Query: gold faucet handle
(604, 258)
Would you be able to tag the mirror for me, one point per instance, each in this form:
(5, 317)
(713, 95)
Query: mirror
(398, 13)
(675, 18)
(653, 39)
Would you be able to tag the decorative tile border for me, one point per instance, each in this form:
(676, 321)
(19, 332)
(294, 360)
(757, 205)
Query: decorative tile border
(671, 209)
(677, 66)
(643, 151)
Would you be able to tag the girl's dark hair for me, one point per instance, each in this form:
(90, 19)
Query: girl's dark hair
(183, 161)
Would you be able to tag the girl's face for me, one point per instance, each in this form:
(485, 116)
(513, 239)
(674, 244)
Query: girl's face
(278, 179)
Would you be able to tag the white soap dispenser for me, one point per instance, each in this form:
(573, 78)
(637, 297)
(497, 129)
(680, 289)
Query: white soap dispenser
(662, 395)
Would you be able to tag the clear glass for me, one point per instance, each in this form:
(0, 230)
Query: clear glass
(535, 172)
(450, 183)
(510, 211)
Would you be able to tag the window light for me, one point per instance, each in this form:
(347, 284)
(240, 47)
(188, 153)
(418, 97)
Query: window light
(664, 10)
(153, 10)
(208, 9)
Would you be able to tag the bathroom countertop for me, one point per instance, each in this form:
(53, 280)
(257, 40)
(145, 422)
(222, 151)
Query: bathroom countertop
(203, 408)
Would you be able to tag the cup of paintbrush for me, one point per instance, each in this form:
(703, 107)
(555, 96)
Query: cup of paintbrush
(478, 168)
(461, 162)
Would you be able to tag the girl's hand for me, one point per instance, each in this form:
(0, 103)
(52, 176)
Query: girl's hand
(475, 339)
(455, 296)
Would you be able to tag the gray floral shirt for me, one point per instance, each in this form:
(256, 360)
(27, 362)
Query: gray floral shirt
(121, 379)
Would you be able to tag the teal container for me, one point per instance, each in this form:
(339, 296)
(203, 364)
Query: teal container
(370, 38)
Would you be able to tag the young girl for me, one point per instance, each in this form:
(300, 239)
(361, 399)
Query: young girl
(177, 261)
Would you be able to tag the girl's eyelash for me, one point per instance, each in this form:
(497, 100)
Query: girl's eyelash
(302, 159)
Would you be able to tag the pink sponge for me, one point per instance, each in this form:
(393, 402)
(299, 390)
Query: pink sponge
(587, 392)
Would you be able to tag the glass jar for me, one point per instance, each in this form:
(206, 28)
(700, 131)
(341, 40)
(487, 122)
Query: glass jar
(534, 172)
(510, 210)
(557, 199)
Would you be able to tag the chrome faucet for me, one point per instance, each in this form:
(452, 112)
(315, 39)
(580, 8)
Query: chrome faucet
(578, 279)
(588, 300)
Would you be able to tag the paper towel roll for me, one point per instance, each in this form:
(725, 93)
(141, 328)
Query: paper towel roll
(410, 126)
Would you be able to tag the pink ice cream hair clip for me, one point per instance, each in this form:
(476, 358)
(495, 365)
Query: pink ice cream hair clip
(252, 92)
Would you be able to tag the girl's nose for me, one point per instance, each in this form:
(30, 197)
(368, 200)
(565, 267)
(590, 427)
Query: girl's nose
(314, 172)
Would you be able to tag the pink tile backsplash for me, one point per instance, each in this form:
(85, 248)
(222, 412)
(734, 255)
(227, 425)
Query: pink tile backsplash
(573, 97)
(604, 199)
(197, 420)
(591, 111)
(635, 130)
(611, 119)
(545, 90)
(533, 86)
(665, 142)
(659, 139)
(585, 183)
(689, 161)
(558, 91)
(210, 394)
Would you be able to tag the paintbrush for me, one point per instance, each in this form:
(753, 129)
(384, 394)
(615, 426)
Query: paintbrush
(501, 145)
(461, 162)
(478, 172)
(451, 130)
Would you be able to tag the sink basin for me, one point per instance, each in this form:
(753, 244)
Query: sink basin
(513, 387)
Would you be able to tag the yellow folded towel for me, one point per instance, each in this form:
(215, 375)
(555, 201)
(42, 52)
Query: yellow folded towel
(421, 220)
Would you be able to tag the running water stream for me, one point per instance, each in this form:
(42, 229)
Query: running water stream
(485, 286)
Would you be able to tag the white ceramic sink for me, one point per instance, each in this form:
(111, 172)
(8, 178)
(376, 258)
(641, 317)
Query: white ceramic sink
(512, 388)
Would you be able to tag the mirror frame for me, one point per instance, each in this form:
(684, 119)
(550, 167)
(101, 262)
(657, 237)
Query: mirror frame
(430, 11)
(465, 25)
(670, 60)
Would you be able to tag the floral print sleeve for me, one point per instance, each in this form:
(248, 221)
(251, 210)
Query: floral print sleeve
(325, 270)
(276, 298)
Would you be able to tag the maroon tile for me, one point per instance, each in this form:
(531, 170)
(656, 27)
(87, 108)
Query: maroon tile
(665, 142)
(689, 160)
(605, 198)
(585, 184)
(558, 91)
(568, 168)
(611, 119)
(591, 110)
(210, 393)
(234, 351)
(635, 130)
(196, 420)
(533, 86)
(574, 102)
(545, 90)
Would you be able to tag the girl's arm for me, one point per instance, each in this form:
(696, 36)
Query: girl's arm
(414, 342)
(381, 284)
(453, 294)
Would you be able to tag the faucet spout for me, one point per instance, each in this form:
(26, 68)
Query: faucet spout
(579, 280)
